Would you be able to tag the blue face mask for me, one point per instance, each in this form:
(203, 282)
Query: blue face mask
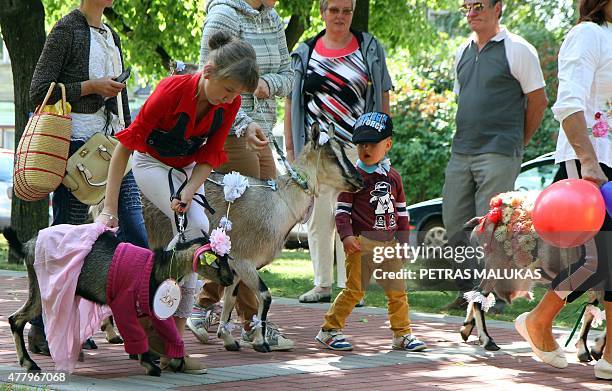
(382, 167)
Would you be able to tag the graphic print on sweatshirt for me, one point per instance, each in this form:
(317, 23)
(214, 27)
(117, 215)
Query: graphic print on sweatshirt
(383, 202)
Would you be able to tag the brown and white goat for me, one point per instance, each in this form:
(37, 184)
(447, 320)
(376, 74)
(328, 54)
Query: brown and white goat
(549, 261)
(261, 220)
(92, 282)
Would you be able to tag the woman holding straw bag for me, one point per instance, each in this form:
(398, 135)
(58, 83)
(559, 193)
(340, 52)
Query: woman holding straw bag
(85, 55)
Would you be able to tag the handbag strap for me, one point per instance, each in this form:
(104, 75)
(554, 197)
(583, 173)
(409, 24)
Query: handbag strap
(120, 109)
(49, 92)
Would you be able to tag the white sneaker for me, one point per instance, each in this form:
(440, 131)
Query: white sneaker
(334, 340)
(200, 321)
(408, 343)
(275, 339)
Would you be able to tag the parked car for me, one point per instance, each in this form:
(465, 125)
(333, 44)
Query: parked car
(426, 216)
(6, 186)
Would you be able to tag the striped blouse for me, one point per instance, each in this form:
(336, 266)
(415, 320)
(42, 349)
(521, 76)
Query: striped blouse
(335, 87)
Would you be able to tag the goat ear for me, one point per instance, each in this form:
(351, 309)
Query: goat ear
(314, 135)
(471, 224)
(331, 129)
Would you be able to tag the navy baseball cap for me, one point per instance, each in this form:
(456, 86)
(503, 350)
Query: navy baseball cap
(372, 128)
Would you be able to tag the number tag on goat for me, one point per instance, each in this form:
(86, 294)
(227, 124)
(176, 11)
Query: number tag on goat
(166, 300)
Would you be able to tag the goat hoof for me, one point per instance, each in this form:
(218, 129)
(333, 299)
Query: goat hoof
(115, 340)
(262, 348)
(585, 357)
(596, 354)
(37, 343)
(491, 346)
(583, 351)
(465, 332)
(90, 344)
(31, 366)
(233, 347)
(154, 371)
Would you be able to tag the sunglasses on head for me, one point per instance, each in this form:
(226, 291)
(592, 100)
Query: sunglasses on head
(476, 7)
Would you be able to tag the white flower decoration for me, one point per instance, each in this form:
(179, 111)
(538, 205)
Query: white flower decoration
(229, 327)
(234, 185)
(225, 223)
(256, 322)
(323, 138)
(477, 297)
(598, 315)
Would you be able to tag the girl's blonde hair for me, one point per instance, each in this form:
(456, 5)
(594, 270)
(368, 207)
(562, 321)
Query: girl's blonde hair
(233, 59)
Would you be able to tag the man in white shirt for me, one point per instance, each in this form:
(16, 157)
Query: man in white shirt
(501, 102)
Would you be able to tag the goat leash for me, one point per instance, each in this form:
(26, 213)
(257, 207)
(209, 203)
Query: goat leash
(181, 221)
(578, 320)
(295, 176)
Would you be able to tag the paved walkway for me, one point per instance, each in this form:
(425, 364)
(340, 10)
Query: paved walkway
(449, 364)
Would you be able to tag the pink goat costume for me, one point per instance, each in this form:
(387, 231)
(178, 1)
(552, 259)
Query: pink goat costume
(69, 319)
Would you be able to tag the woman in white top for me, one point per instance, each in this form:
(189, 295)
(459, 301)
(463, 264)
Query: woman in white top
(85, 55)
(584, 150)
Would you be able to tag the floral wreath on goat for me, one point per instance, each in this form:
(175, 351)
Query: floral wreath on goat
(511, 215)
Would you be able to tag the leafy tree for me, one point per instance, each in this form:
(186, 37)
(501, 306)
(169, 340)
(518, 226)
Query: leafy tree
(424, 107)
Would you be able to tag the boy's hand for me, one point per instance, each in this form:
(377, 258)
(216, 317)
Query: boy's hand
(351, 245)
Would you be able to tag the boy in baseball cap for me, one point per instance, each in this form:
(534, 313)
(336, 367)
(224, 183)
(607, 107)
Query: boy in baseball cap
(374, 217)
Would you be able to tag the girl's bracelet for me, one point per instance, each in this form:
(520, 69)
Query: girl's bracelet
(110, 215)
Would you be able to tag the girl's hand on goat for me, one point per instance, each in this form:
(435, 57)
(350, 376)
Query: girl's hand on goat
(591, 171)
(255, 138)
(351, 245)
(108, 218)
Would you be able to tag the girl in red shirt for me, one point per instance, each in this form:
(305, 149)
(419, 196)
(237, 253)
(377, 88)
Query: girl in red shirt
(181, 129)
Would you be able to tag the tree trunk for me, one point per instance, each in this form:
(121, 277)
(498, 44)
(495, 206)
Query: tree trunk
(293, 32)
(23, 29)
(360, 15)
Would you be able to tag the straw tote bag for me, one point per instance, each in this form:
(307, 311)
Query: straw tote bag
(42, 152)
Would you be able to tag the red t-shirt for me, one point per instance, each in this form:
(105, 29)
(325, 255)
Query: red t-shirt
(175, 95)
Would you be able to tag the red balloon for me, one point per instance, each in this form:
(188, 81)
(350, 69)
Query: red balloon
(568, 213)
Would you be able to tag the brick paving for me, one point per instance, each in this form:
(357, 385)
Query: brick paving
(449, 364)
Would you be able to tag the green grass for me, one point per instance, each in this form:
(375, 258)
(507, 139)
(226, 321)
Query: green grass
(4, 258)
(291, 275)
(20, 387)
